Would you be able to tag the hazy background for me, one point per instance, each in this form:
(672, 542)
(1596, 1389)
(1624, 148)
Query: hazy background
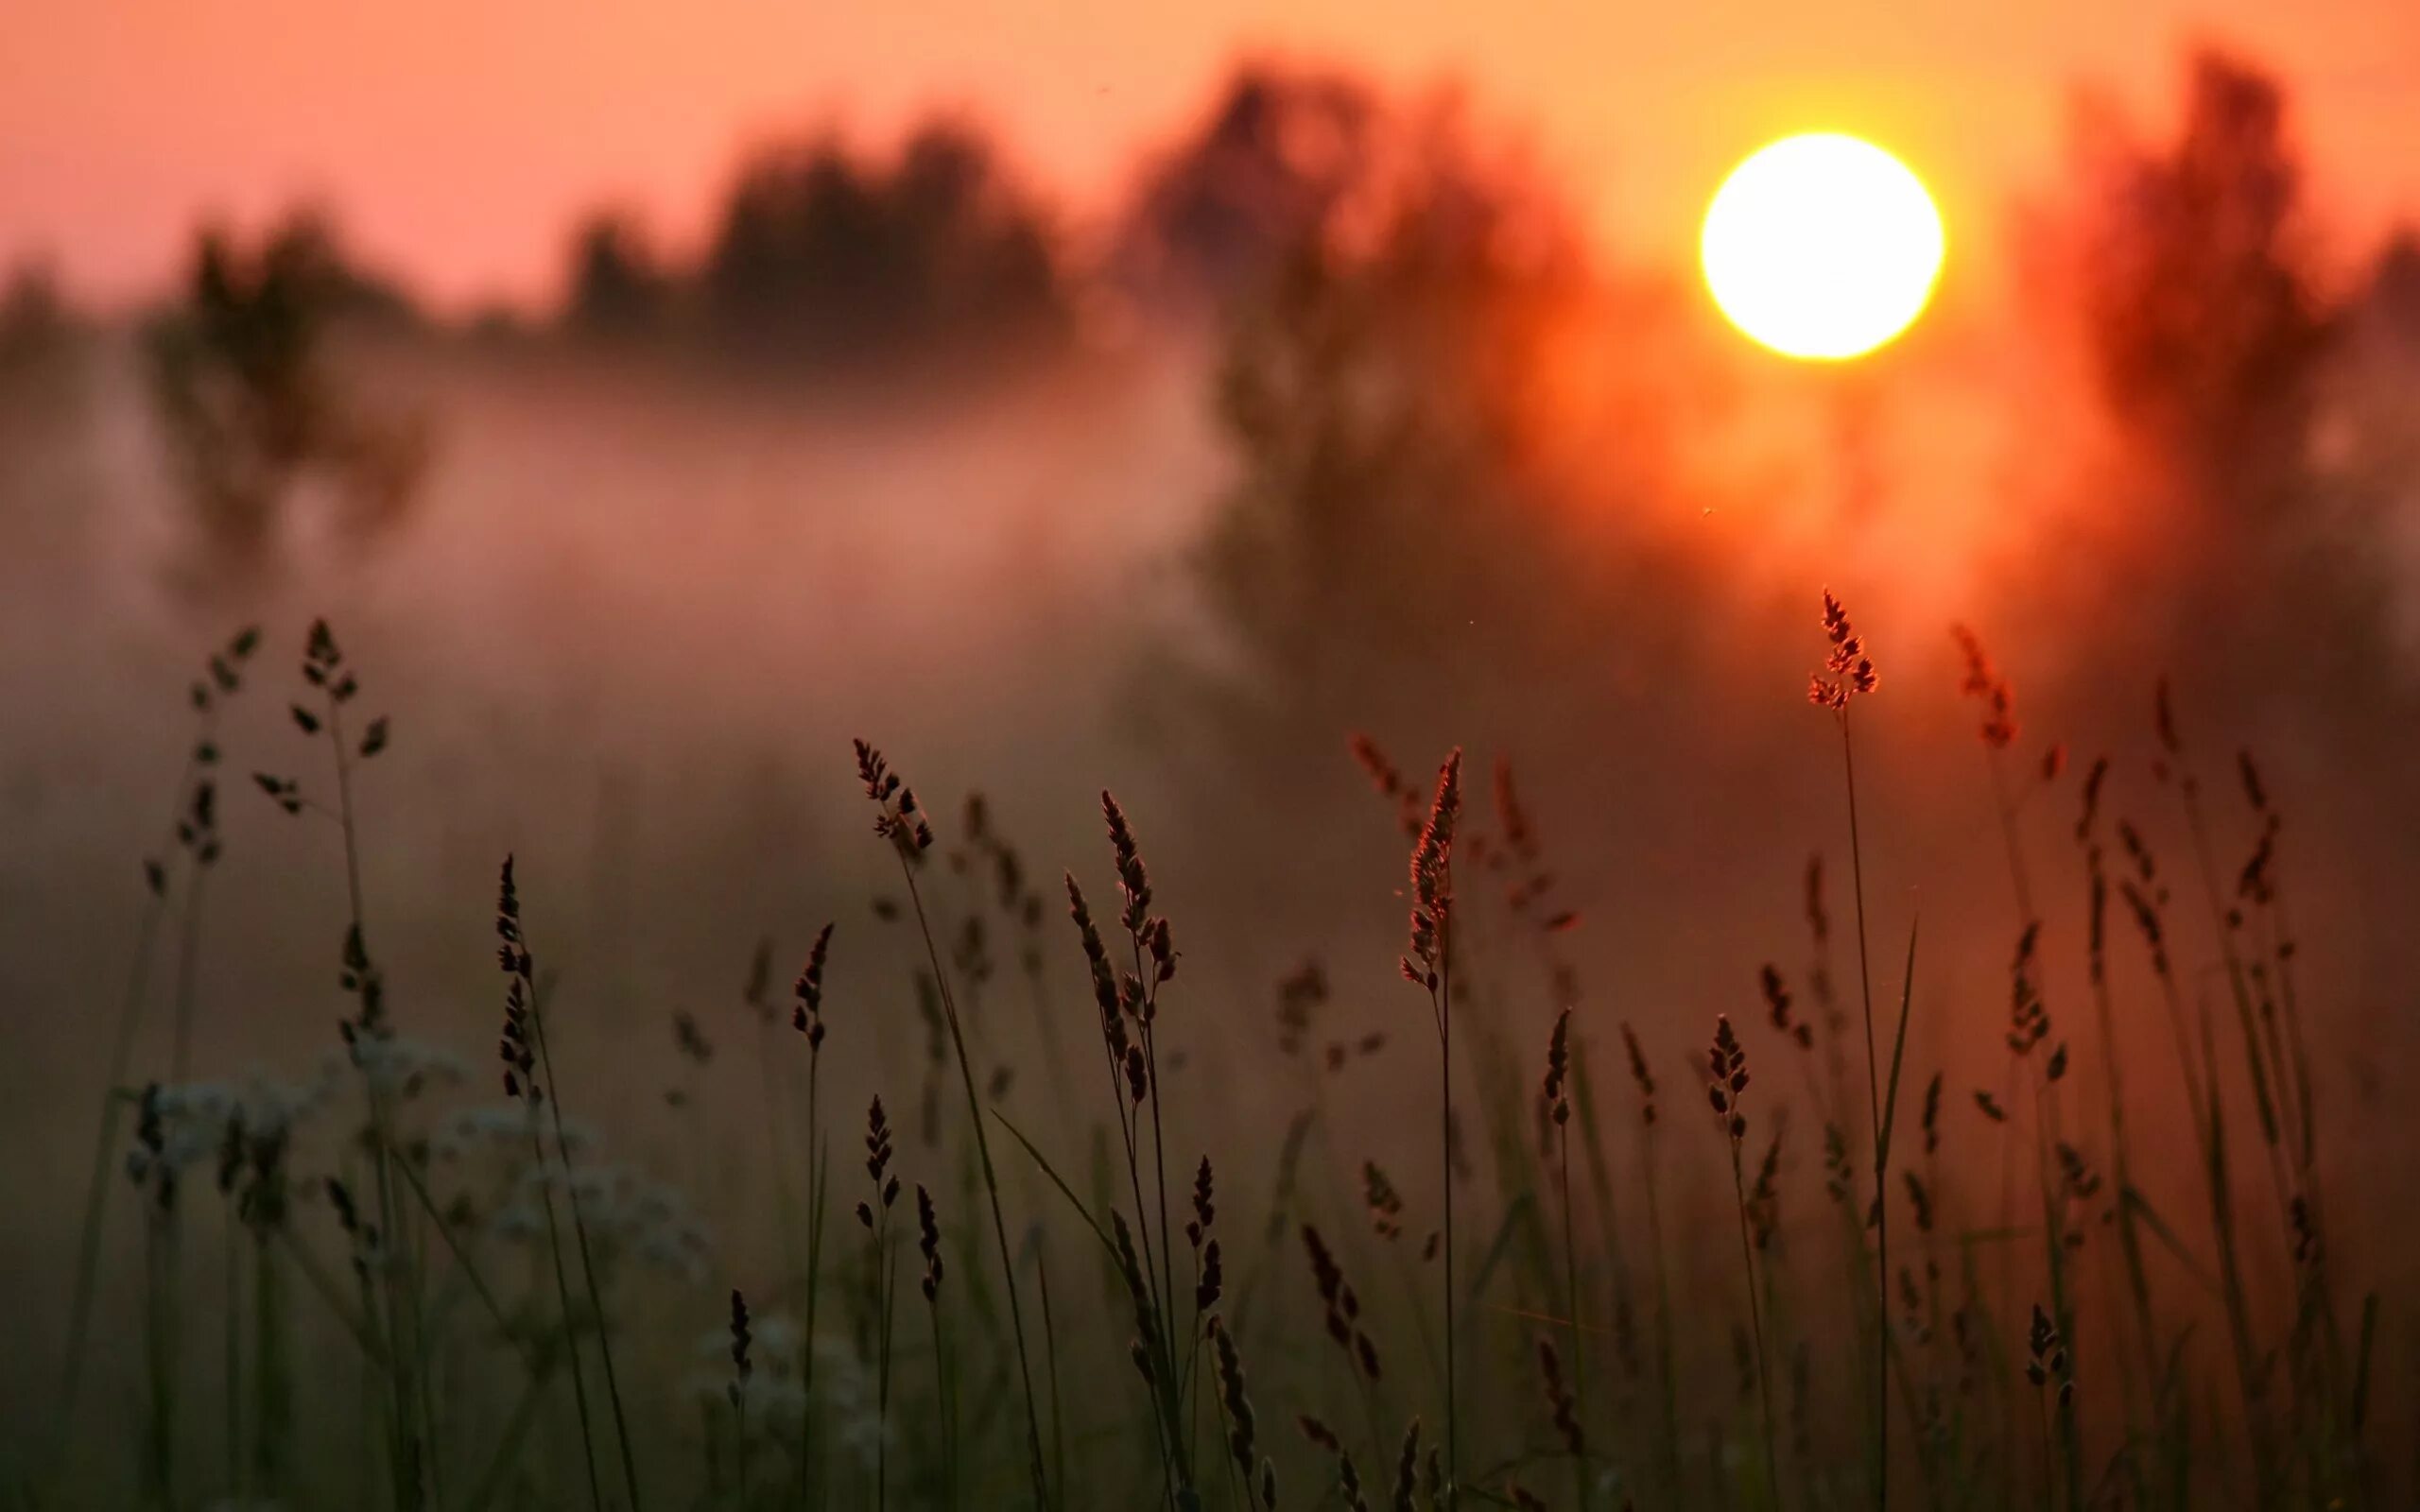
(654, 407)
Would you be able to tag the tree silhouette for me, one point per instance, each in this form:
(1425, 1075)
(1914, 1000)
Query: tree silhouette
(1401, 532)
(243, 386)
(1216, 216)
(821, 258)
(2197, 293)
(619, 291)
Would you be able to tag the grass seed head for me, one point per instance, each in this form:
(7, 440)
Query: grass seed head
(1556, 1089)
(897, 817)
(806, 993)
(1640, 1075)
(1205, 1207)
(878, 1152)
(1407, 1470)
(928, 1241)
(1560, 1407)
(1243, 1429)
(1390, 781)
(1983, 681)
(741, 1339)
(1432, 876)
(1848, 671)
(1727, 1068)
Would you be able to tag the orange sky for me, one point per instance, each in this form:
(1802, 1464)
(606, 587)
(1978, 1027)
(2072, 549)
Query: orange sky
(456, 138)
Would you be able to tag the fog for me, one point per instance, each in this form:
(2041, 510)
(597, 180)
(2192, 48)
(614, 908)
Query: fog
(639, 604)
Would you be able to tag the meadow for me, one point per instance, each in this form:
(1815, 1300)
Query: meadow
(1763, 1257)
(1313, 847)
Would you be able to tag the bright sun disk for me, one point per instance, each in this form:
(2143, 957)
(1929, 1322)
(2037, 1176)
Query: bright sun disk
(1821, 247)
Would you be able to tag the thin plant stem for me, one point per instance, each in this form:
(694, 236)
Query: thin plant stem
(948, 1407)
(739, 1437)
(1445, 1174)
(816, 1175)
(2063, 1311)
(188, 986)
(770, 1069)
(571, 1337)
(129, 1018)
(884, 1270)
(507, 1452)
(2129, 1239)
(1666, 1353)
(991, 1185)
(2042, 1420)
(373, 1379)
(234, 1345)
(161, 1357)
(1571, 1307)
(1756, 1325)
(1881, 1177)
(2021, 883)
(1159, 1166)
(398, 1280)
(1165, 1300)
(1050, 1361)
(588, 1266)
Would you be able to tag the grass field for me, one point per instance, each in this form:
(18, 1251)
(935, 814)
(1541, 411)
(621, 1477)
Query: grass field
(1776, 1262)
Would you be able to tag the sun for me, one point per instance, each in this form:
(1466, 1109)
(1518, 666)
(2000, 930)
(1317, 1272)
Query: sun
(1821, 247)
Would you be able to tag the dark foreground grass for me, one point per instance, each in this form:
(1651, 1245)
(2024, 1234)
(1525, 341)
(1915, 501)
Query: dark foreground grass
(428, 1300)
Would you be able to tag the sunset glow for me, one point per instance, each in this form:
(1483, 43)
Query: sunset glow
(1450, 632)
(1821, 247)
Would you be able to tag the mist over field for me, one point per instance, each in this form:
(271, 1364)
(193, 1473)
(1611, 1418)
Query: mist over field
(1343, 429)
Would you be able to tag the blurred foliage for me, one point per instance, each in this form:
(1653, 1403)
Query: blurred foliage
(2267, 461)
(42, 376)
(822, 259)
(2395, 290)
(1421, 520)
(618, 290)
(823, 256)
(2198, 291)
(35, 324)
(1377, 402)
(1220, 213)
(247, 390)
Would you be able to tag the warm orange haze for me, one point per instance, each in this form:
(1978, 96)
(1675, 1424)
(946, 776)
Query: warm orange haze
(770, 756)
(456, 138)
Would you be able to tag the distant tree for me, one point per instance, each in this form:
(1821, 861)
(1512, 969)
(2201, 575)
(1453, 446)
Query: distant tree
(822, 258)
(1376, 402)
(1435, 529)
(2197, 292)
(243, 383)
(617, 288)
(2248, 541)
(34, 319)
(2394, 295)
(1403, 530)
(42, 378)
(1217, 214)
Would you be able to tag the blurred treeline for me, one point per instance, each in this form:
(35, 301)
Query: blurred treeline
(1461, 433)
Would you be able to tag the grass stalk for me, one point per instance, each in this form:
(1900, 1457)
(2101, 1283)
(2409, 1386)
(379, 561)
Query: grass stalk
(1756, 1328)
(232, 1345)
(1882, 1170)
(990, 1184)
(588, 1269)
(818, 1179)
(570, 1333)
(224, 676)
